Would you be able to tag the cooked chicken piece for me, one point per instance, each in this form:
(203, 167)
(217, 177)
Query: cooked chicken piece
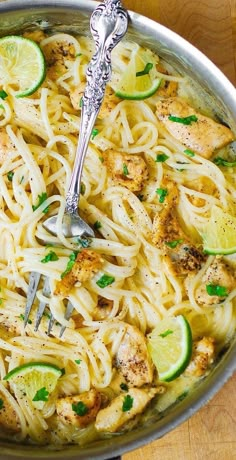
(202, 357)
(86, 404)
(113, 418)
(128, 170)
(35, 35)
(184, 257)
(202, 136)
(203, 185)
(57, 54)
(109, 102)
(6, 146)
(133, 359)
(167, 88)
(220, 274)
(9, 421)
(87, 263)
(103, 309)
(11, 325)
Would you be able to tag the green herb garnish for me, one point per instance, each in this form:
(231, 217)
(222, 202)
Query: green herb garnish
(3, 94)
(23, 318)
(80, 408)
(101, 159)
(215, 289)
(82, 188)
(81, 102)
(70, 263)
(161, 158)
(78, 54)
(165, 333)
(41, 395)
(189, 152)
(1, 404)
(127, 403)
(145, 71)
(77, 361)
(173, 244)
(1, 301)
(2, 107)
(94, 133)
(125, 170)
(124, 387)
(50, 257)
(97, 225)
(219, 161)
(105, 281)
(10, 175)
(161, 192)
(185, 120)
(41, 198)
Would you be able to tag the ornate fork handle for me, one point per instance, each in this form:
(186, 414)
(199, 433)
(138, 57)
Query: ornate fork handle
(108, 25)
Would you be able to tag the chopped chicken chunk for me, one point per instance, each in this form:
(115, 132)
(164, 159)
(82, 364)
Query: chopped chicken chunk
(133, 360)
(87, 263)
(35, 35)
(202, 136)
(103, 309)
(203, 185)
(6, 146)
(57, 55)
(109, 102)
(128, 170)
(185, 256)
(218, 273)
(90, 405)
(9, 420)
(202, 357)
(167, 88)
(113, 418)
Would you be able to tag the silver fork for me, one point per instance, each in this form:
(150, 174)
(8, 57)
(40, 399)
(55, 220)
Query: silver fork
(108, 25)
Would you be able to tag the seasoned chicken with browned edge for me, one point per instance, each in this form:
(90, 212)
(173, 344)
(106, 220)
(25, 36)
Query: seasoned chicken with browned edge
(87, 263)
(184, 257)
(167, 88)
(109, 102)
(133, 360)
(128, 170)
(6, 146)
(203, 136)
(202, 357)
(218, 273)
(88, 405)
(113, 418)
(57, 54)
(9, 421)
(35, 35)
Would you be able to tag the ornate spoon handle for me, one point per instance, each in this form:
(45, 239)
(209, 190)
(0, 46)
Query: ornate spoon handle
(108, 25)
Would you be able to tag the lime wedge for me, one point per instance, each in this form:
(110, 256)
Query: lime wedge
(219, 234)
(22, 65)
(170, 347)
(131, 84)
(33, 379)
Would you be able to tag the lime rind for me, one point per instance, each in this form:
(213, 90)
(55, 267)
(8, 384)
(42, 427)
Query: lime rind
(138, 96)
(174, 370)
(25, 368)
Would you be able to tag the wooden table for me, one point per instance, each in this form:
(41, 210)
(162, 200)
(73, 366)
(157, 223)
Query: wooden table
(211, 26)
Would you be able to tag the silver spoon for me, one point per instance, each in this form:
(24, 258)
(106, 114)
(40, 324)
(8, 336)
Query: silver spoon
(108, 24)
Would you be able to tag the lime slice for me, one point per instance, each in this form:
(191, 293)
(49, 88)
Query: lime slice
(170, 347)
(22, 65)
(219, 234)
(31, 378)
(131, 86)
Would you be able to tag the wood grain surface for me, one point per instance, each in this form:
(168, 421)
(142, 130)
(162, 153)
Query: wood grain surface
(210, 25)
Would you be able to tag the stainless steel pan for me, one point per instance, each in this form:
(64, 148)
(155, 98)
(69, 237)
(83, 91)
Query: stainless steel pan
(73, 16)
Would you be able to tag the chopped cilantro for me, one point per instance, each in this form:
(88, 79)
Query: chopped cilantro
(84, 242)
(125, 170)
(97, 225)
(10, 175)
(101, 159)
(82, 188)
(161, 192)
(173, 244)
(127, 403)
(215, 289)
(80, 408)
(165, 333)
(22, 178)
(23, 318)
(77, 361)
(3, 94)
(105, 281)
(161, 158)
(185, 120)
(41, 198)
(189, 152)
(219, 161)
(124, 387)
(1, 404)
(78, 54)
(1, 301)
(70, 263)
(2, 107)
(94, 133)
(81, 102)
(50, 257)
(41, 395)
(145, 71)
